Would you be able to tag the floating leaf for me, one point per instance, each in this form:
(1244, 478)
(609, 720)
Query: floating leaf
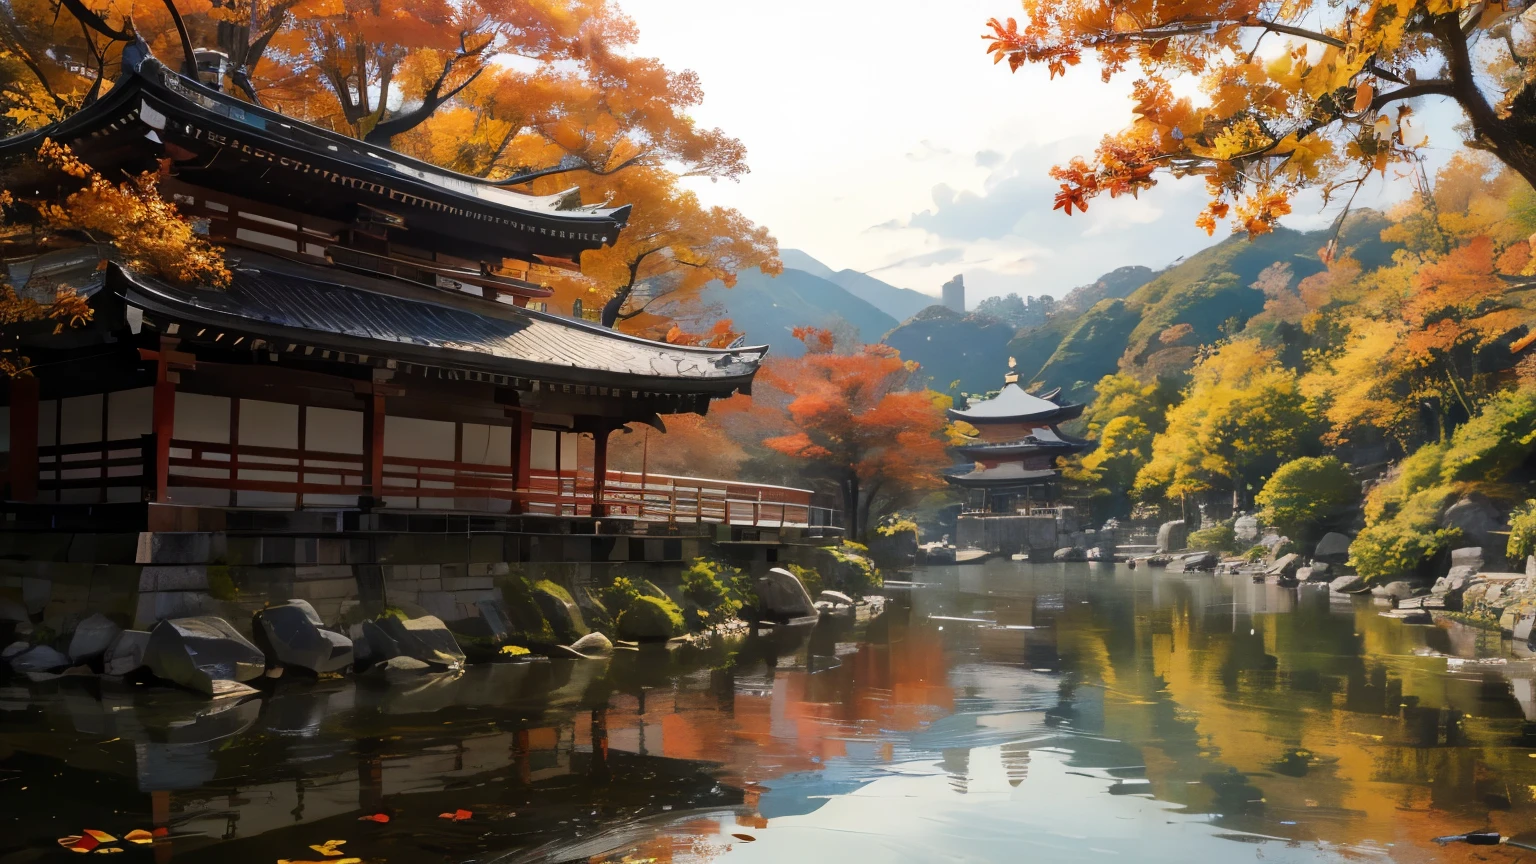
(381, 818)
(108, 849)
(69, 841)
(100, 836)
(322, 861)
(457, 815)
(139, 836)
(745, 838)
(162, 831)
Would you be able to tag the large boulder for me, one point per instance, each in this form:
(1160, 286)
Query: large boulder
(38, 658)
(1333, 548)
(650, 619)
(781, 596)
(196, 652)
(1172, 536)
(1350, 583)
(593, 644)
(560, 610)
(1193, 562)
(126, 653)
(1477, 520)
(1399, 590)
(92, 637)
(294, 636)
(1283, 569)
(1070, 553)
(837, 598)
(1245, 530)
(1319, 571)
(426, 639)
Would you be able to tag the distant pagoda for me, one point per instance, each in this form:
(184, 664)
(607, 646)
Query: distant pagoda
(1014, 455)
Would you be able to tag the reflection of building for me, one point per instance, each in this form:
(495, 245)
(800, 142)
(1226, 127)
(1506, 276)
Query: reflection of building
(954, 293)
(1015, 451)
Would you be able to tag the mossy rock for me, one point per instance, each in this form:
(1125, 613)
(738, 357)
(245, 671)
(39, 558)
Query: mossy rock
(525, 615)
(560, 610)
(650, 619)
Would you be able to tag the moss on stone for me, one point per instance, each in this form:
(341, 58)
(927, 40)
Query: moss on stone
(221, 586)
(650, 619)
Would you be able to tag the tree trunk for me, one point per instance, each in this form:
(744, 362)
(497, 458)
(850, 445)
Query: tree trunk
(851, 515)
(1510, 138)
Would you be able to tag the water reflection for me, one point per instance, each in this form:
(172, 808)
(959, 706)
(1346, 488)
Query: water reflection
(1096, 711)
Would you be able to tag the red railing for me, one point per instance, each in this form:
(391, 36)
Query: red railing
(426, 484)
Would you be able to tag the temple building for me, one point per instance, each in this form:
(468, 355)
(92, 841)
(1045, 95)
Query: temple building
(1014, 454)
(376, 349)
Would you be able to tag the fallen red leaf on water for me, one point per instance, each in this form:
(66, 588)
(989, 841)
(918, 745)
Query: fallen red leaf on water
(69, 841)
(100, 836)
(139, 836)
(457, 815)
(162, 831)
(79, 844)
(745, 838)
(374, 817)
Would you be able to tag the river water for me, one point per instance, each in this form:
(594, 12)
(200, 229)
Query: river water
(1004, 712)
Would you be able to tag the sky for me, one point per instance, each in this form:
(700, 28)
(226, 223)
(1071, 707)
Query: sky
(881, 138)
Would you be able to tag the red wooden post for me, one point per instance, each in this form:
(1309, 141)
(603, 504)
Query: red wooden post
(164, 419)
(599, 470)
(522, 456)
(374, 421)
(23, 461)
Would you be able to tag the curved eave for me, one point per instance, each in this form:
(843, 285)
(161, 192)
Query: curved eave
(161, 302)
(995, 450)
(993, 478)
(1061, 414)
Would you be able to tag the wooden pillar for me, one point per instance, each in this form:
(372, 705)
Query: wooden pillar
(23, 459)
(599, 470)
(522, 454)
(164, 419)
(373, 446)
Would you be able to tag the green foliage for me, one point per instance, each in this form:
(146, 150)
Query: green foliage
(1217, 538)
(893, 524)
(650, 618)
(1522, 532)
(1256, 553)
(618, 596)
(858, 575)
(1495, 442)
(1403, 540)
(1305, 492)
(808, 577)
(716, 589)
(221, 586)
(1090, 347)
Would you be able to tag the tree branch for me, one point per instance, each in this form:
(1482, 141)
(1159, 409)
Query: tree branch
(383, 131)
(1434, 87)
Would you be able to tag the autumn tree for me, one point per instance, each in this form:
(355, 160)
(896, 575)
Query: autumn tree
(854, 426)
(1294, 94)
(1241, 416)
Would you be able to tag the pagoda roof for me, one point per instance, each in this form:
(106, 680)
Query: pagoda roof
(221, 142)
(1012, 405)
(1012, 474)
(293, 307)
(1040, 440)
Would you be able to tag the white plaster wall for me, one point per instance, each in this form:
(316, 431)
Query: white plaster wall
(569, 442)
(419, 438)
(202, 418)
(487, 445)
(130, 413)
(331, 430)
(542, 453)
(268, 424)
(81, 419)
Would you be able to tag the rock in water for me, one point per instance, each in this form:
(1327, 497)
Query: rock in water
(295, 636)
(781, 596)
(1399, 590)
(835, 597)
(1350, 584)
(593, 644)
(1172, 536)
(562, 613)
(1318, 572)
(38, 658)
(1333, 548)
(126, 653)
(400, 668)
(195, 652)
(426, 639)
(1069, 554)
(1284, 569)
(92, 637)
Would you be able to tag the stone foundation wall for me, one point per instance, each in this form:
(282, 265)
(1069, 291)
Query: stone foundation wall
(1007, 535)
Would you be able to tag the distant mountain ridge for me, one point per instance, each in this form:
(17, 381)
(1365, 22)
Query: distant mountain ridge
(768, 308)
(899, 303)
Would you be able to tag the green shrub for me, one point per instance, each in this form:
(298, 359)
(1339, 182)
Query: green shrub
(1217, 538)
(1305, 492)
(1495, 442)
(858, 576)
(1522, 532)
(618, 596)
(1400, 543)
(808, 577)
(650, 619)
(895, 524)
(221, 586)
(1256, 553)
(716, 590)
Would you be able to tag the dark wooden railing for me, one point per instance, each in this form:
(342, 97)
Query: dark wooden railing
(444, 484)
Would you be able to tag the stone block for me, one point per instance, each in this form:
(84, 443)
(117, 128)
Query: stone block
(181, 577)
(1172, 536)
(467, 583)
(326, 589)
(179, 547)
(156, 606)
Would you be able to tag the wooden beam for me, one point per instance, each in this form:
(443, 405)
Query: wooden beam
(599, 470)
(522, 450)
(23, 459)
(164, 417)
(373, 445)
